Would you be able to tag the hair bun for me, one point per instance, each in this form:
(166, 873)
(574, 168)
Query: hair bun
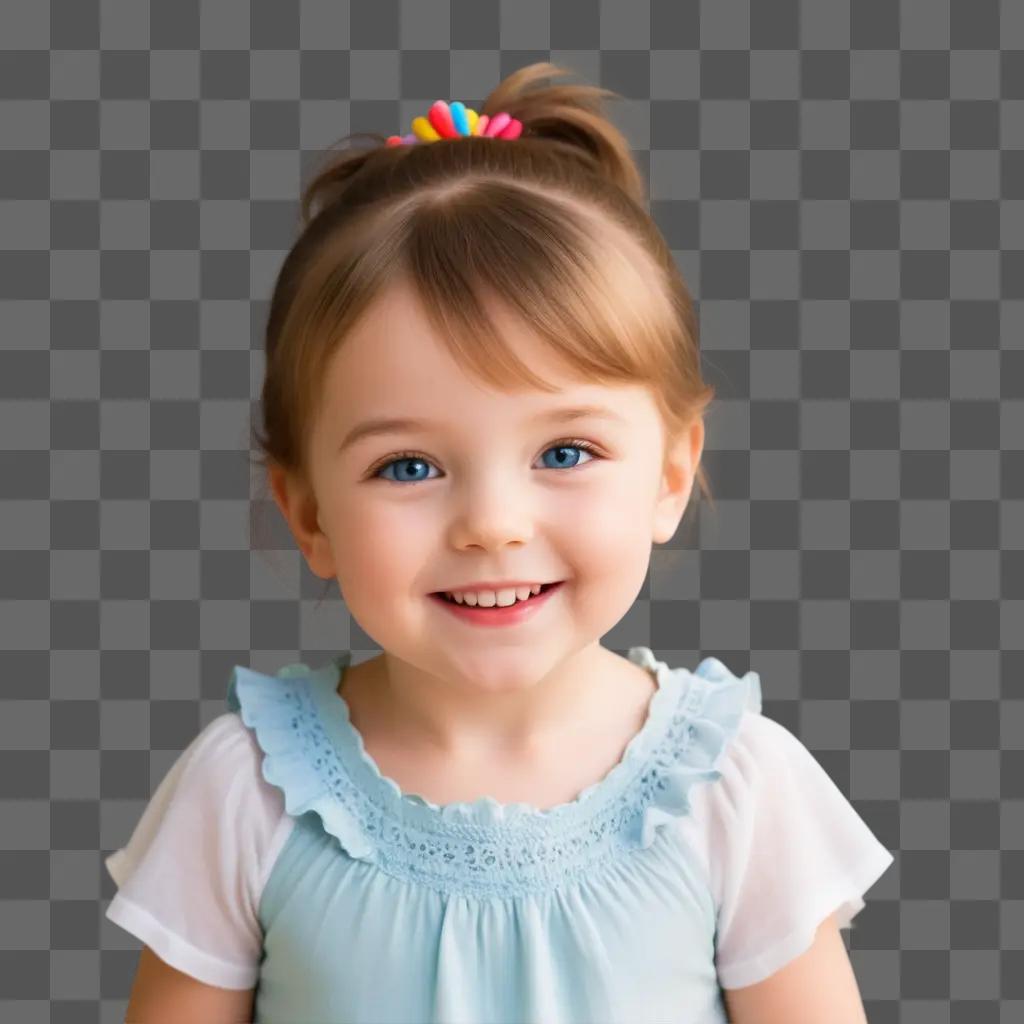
(572, 114)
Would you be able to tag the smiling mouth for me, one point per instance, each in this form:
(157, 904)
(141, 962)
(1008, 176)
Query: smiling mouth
(462, 604)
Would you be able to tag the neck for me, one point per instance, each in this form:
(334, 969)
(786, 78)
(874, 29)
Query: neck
(501, 716)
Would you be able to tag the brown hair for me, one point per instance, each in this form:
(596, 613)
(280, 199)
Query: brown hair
(553, 224)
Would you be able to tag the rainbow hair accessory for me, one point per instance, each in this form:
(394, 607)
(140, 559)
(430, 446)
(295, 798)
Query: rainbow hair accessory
(456, 121)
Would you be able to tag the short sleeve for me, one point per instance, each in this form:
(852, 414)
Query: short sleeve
(190, 877)
(785, 849)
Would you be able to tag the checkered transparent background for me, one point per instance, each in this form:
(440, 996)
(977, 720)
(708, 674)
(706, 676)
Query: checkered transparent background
(843, 187)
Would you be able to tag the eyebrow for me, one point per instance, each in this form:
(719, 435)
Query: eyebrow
(390, 425)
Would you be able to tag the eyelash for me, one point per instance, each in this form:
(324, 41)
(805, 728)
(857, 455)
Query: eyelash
(378, 467)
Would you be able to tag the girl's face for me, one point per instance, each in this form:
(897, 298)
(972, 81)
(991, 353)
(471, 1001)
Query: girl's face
(480, 491)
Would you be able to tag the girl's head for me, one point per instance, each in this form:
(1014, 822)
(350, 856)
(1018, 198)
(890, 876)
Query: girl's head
(481, 285)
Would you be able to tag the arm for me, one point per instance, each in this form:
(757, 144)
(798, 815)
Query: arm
(818, 986)
(162, 994)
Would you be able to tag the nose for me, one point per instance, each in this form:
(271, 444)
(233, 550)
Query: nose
(492, 517)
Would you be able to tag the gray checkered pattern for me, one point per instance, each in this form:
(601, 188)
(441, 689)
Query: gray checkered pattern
(843, 187)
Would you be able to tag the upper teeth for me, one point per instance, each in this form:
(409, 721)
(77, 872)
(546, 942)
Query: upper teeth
(490, 598)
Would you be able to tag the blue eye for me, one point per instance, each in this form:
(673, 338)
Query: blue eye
(561, 447)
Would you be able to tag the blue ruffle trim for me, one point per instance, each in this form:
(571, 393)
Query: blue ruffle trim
(716, 711)
(323, 766)
(488, 813)
(269, 705)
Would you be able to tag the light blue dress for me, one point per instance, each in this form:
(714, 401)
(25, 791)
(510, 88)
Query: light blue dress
(384, 908)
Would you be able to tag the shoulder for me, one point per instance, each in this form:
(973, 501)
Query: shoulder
(762, 755)
(223, 768)
(764, 774)
(226, 734)
(214, 789)
(763, 770)
(223, 762)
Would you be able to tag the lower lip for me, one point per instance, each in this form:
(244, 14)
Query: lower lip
(510, 616)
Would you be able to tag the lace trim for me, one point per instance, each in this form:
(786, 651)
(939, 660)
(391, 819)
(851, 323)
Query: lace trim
(486, 811)
(487, 848)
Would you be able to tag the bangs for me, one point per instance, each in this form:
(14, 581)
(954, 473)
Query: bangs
(579, 283)
(576, 279)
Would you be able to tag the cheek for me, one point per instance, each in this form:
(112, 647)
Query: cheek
(608, 552)
(611, 540)
(387, 546)
(610, 543)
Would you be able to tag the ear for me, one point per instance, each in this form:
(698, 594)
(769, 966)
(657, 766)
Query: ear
(297, 504)
(681, 462)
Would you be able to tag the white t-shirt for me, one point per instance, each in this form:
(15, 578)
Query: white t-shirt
(780, 845)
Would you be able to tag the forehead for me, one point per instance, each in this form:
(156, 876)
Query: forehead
(394, 363)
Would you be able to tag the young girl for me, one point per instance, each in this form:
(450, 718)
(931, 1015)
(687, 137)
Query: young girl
(482, 407)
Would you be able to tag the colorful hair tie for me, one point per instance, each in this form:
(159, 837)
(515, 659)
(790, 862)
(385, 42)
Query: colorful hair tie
(455, 121)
